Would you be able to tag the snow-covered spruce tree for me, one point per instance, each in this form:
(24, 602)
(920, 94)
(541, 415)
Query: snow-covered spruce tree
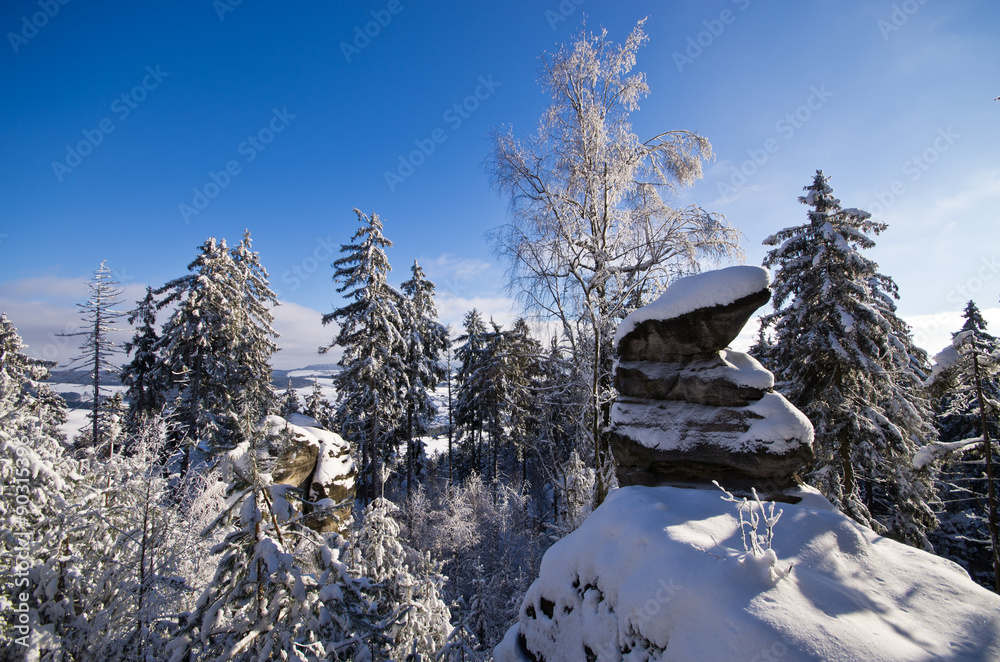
(970, 365)
(591, 232)
(47, 533)
(426, 340)
(111, 428)
(470, 406)
(407, 586)
(846, 360)
(142, 376)
(255, 330)
(290, 403)
(136, 555)
(280, 590)
(369, 409)
(194, 347)
(99, 315)
(216, 347)
(491, 380)
(524, 374)
(318, 407)
(22, 387)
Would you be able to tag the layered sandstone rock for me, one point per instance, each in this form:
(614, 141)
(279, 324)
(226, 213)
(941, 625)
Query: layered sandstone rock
(691, 410)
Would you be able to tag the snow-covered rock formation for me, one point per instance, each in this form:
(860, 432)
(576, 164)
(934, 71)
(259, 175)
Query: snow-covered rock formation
(319, 463)
(672, 568)
(692, 411)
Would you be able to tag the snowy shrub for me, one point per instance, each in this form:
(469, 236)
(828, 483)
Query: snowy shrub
(757, 522)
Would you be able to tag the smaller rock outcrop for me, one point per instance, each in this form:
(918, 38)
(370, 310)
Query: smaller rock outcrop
(692, 411)
(317, 462)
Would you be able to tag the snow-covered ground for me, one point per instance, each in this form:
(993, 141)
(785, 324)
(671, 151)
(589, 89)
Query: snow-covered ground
(661, 573)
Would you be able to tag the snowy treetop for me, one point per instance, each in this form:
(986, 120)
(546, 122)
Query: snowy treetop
(712, 288)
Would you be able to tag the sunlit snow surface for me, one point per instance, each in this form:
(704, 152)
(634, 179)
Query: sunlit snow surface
(660, 573)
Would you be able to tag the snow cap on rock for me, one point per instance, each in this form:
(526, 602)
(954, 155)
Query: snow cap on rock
(705, 290)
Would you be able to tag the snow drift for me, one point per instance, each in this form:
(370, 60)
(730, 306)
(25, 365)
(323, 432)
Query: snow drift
(661, 573)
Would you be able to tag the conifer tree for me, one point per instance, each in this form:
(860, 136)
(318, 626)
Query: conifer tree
(524, 374)
(317, 406)
(848, 363)
(290, 402)
(369, 408)
(22, 388)
(216, 346)
(968, 368)
(142, 376)
(99, 316)
(407, 584)
(254, 328)
(280, 590)
(470, 400)
(426, 339)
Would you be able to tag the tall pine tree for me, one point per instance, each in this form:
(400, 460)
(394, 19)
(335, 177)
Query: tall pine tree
(371, 334)
(848, 363)
(470, 400)
(426, 341)
(970, 366)
(216, 347)
(144, 387)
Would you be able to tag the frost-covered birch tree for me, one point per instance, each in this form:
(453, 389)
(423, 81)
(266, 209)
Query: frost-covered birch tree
(848, 362)
(591, 233)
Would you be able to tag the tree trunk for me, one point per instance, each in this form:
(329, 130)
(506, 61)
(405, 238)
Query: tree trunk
(409, 451)
(846, 466)
(600, 487)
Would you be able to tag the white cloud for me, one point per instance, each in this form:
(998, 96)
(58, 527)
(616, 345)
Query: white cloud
(933, 332)
(43, 308)
(452, 309)
(302, 333)
(460, 276)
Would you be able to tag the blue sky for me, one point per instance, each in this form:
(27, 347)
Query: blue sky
(116, 114)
